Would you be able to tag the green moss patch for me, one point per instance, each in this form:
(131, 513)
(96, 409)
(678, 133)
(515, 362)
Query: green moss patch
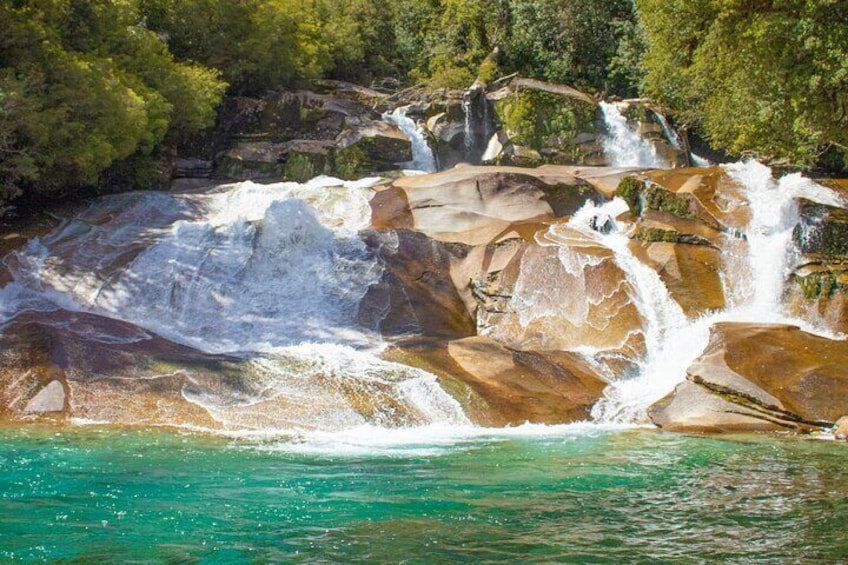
(542, 119)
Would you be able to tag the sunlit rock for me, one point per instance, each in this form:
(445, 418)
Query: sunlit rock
(760, 377)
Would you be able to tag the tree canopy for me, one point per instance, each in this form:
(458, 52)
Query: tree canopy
(89, 86)
(769, 76)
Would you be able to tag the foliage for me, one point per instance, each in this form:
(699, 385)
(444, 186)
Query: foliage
(535, 119)
(769, 76)
(574, 42)
(84, 86)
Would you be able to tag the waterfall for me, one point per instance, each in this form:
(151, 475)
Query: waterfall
(771, 252)
(670, 133)
(754, 284)
(478, 126)
(664, 324)
(469, 123)
(622, 145)
(422, 155)
(272, 275)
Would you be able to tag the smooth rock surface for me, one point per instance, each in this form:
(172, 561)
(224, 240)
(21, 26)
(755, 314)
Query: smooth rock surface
(777, 375)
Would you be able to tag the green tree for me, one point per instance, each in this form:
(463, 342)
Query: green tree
(83, 86)
(769, 76)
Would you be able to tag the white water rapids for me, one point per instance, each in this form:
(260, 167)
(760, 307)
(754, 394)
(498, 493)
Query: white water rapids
(622, 145)
(271, 273)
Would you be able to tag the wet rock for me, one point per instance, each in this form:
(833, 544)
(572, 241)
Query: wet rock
(823, 230)
(564, 299)
(760, 377)
(520, 387)
(818, 292)
(499, 386)
(417, 293)
(692, 273)
(90, 367)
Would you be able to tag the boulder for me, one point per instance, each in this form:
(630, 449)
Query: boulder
(478, 205)
(691, 272)
(823, 230)
(759, 377)
(417, 293)
(499, 386)
(369, 147)
(62, 364)
(519, 386)
(707, 195)
(552, 298)
(546, 123)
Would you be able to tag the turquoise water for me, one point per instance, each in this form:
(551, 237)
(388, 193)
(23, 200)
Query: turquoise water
(94, 495)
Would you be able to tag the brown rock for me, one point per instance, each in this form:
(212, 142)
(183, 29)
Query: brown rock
(779, 375)
(692, 273)
(477, 205)
(840, 428)
(417, 293)
(500, 386)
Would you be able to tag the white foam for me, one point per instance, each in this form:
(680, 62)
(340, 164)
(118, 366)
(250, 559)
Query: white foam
(423, 159)
(423, 441)
(624, 147)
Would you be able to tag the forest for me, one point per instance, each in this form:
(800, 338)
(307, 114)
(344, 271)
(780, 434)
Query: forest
(91, 92)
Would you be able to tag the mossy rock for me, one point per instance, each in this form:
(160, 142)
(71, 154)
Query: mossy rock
(539, 119)
(654, 235)
(630, 189)
(822, 284)
(822, 230)
(300, 167)
(660, 235)
(657, 198)
(238, 169)
(351, 162)
(640, 195)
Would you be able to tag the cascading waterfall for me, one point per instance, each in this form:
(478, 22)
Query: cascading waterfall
(673, 342)
(771, 253)
(478, 126)
(622, 145)
(664, 324)
(469, 123)
(423, 158)
(273, 274)
(670, 133)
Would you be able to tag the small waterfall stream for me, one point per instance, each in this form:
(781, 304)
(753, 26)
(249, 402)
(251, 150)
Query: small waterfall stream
(672, 341)
(423, 158)
(622, 145)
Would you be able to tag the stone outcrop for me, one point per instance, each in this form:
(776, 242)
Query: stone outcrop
(499, 386)
(820, 289)
(299, 135)
(759, 377)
